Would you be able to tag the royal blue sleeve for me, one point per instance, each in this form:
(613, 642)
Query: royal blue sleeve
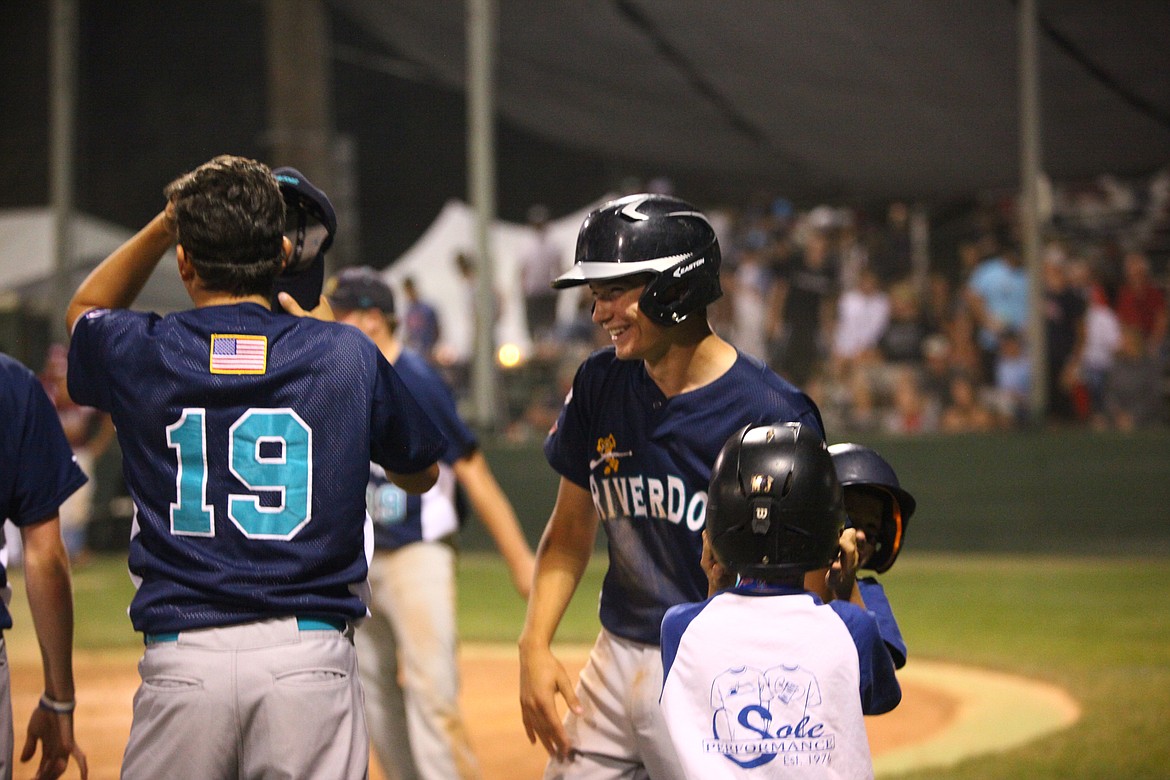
(877, 603)
(879, 688)
(674, 624)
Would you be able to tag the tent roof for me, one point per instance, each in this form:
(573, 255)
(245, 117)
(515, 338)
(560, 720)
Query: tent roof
(834, 98)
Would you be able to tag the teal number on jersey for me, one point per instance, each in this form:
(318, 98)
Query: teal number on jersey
(191, 515)
(269, 451)
(386, 503)
(287, 471)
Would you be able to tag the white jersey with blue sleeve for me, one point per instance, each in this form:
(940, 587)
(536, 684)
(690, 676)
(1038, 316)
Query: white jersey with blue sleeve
(646, 459)
(246, 438)
(770, 683)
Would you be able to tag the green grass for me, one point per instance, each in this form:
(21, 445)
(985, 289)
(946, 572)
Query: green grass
(490, 610)
(1097, 627)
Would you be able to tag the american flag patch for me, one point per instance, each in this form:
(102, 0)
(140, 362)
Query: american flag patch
(235, 354)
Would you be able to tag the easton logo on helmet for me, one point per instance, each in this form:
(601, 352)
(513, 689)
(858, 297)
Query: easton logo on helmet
(686, 269)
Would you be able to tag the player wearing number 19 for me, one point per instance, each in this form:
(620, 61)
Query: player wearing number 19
(246, 437)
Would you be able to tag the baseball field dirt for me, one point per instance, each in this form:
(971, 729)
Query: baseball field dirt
(947, 712)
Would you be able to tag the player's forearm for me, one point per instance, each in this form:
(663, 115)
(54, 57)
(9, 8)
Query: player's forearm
(561, 558)
(553, 585)
(50, 600)
(118, 279)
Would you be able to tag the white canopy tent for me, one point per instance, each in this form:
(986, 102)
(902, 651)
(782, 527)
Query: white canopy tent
(430, 262)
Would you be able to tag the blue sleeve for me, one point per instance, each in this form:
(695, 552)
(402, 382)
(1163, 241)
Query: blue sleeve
(879, 688)
(38, 470)
(403, 438)
(88, 382)
(674, 624)
(877, 603)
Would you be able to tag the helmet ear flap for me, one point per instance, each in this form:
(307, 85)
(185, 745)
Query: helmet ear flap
(678, 292)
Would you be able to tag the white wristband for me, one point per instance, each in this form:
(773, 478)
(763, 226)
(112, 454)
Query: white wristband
(59, 707)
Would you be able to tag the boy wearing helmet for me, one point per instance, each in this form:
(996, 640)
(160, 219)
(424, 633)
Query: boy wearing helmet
(880, 509)
(634, 444)
(764, 675)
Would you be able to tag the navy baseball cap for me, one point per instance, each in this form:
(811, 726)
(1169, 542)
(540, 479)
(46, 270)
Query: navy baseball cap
(360, 288)
(310, 224)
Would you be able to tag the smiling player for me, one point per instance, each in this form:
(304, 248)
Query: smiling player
(634, 445)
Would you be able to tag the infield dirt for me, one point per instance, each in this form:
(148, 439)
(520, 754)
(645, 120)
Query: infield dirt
(929, 727)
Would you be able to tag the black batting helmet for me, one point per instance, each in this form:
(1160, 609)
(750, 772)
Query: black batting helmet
(774, 505)
(657, 234)
(859, 466)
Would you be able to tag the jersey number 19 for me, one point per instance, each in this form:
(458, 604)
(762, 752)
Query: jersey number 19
(269, 451)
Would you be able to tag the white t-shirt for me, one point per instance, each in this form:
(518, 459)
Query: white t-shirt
(773, 683)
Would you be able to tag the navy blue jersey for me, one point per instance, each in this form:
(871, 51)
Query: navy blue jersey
(400, 519)
(646, 459)
(246, 440)
(37, 468)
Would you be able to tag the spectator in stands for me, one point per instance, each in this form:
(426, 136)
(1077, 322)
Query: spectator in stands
(804, 301)
(862, 412)
(863, 315)
(1133, 393)
(1064, 317)
(966, 413)
(1102, 340)
(1013, 380)
(902, 341)
(937, 369)
(748, 286)
(892, 256)
(852, 256)
(912, 411)
(1141, 302)
(940, 304)
(997, 297)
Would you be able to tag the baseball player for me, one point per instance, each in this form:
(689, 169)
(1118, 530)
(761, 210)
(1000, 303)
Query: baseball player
(37, 474)
(246, 437)
(880, 509)
(765, 680)
(415, 723)
(634, 444)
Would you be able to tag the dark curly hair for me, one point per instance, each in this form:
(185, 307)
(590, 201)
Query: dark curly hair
(229, 214)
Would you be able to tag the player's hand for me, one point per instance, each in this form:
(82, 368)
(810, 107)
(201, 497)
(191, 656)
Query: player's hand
(842, 576)
(322, 311)
(169, 220)
(718, 577)
(542, 677)
(55, 733)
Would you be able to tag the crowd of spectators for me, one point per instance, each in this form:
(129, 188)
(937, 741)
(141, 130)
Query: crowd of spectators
(890, 339)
